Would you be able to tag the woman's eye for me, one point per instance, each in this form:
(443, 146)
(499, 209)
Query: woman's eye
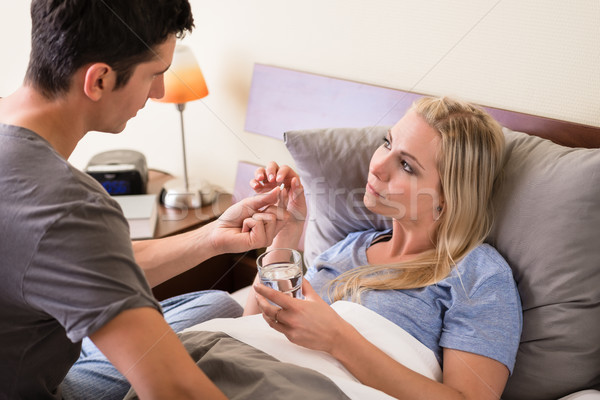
(406, 166)
(386, 143)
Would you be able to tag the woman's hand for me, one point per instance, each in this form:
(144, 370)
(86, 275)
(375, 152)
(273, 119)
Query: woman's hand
(292, 199)
(310, 323)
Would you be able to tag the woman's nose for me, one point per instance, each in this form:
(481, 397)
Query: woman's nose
(380, 167)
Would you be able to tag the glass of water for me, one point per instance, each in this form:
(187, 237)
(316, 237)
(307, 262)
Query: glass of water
(281, 269)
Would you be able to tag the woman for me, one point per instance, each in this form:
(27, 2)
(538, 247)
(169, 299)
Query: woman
(430, 274)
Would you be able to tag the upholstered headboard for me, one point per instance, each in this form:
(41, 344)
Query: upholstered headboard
(547, 208)
(283, 100)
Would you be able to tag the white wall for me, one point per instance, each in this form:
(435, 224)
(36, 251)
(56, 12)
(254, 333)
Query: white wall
(535, 56)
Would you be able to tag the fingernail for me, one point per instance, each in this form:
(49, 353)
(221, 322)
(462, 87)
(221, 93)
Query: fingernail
(271, 177)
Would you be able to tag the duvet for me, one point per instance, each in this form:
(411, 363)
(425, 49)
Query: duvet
(248, 360)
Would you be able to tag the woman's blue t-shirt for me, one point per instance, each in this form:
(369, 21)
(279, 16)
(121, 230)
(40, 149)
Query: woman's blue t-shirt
(476, 308)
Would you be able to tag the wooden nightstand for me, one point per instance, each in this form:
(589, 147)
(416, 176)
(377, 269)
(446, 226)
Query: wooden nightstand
(225, 272)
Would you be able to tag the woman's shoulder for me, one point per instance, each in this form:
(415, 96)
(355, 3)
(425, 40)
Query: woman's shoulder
(487, 254)
(482, 265)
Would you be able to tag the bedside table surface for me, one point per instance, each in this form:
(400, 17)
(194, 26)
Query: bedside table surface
(172, 221)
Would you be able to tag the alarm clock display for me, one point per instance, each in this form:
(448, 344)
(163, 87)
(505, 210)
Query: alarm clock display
(120, 172)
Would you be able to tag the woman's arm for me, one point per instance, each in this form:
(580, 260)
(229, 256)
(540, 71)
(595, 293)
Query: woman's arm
(295, 204)
(313, 324)
(465, 375)
(292, 200)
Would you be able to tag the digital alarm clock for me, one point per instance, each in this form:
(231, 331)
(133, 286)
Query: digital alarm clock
(121, 172)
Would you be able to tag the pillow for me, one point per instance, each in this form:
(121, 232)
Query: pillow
(547, 223)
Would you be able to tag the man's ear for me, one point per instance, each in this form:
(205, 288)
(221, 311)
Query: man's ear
(99, 78)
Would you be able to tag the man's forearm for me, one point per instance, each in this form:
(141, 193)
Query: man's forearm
(162, 259)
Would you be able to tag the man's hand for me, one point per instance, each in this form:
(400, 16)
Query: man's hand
(249, 224)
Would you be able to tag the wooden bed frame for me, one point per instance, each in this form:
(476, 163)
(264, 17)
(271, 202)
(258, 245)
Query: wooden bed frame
(282, 100)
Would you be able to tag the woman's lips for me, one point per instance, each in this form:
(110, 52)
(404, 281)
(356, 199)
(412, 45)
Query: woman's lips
(372, 190)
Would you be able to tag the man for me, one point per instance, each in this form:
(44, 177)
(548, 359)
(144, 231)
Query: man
(68, 268)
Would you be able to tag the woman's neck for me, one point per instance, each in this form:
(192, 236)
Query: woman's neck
(405, 243)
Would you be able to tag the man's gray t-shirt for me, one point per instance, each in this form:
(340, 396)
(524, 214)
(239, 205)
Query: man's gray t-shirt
(67, 266)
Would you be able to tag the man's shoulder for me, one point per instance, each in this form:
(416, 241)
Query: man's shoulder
(29, 161)
(39, 187)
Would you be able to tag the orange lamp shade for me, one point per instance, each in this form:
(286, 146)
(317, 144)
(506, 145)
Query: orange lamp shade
(184, 80)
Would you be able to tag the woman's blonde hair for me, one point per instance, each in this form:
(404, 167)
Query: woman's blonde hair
(469, 160)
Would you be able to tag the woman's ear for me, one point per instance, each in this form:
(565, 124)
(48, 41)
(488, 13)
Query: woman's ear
(99, 78)
(440, 206)
(440, 199)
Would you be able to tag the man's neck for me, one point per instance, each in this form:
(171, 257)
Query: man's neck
(59, 120)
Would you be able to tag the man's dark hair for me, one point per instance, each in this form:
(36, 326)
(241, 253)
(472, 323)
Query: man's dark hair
(68, 34)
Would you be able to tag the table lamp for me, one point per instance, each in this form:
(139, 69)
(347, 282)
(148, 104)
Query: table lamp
(184, 82)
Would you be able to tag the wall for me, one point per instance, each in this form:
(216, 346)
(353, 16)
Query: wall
(535, 56)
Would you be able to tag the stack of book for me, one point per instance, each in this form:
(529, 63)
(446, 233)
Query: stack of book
(141, 212)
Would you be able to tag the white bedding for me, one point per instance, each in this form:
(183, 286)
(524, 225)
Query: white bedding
(383, 333)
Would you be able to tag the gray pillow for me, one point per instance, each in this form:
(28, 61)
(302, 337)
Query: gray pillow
(548, 219)
(547, 225)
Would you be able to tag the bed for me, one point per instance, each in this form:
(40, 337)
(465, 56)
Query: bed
(547, 223)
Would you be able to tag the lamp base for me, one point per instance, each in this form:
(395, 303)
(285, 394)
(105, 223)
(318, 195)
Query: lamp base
(198, 194)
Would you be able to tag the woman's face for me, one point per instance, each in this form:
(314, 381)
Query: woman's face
(403, 181)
